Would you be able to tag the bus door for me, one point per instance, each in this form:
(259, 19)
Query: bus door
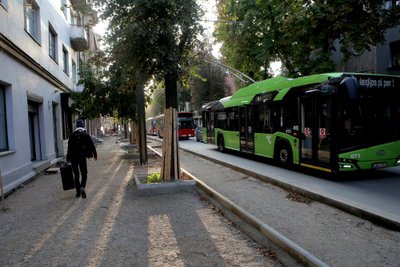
(316, 128)
(246, 128)
(210, 126)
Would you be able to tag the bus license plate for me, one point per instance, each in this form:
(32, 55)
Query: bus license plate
(378, 165)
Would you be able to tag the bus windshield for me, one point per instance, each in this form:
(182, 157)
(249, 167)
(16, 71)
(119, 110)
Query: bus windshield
(372, 118)
(185, 122)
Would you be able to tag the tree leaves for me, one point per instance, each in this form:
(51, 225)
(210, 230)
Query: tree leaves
(301, 34)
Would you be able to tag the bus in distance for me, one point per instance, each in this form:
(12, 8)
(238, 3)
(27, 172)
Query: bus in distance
(155, 125)
(333, 122)
(151, 126)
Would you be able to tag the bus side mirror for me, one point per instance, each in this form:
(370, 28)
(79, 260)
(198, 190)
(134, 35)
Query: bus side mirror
(350, 85)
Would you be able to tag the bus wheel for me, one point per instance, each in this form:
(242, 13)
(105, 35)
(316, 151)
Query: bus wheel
(283, 154)
(220, 144)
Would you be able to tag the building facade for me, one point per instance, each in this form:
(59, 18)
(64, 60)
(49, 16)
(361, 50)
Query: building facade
(42, 44)
(383, 59)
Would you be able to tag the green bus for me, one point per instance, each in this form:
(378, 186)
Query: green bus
(332, 122)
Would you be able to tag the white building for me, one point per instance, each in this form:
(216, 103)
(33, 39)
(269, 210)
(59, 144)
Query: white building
(41, 48)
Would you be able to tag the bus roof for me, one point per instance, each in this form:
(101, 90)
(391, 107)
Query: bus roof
(281, 84)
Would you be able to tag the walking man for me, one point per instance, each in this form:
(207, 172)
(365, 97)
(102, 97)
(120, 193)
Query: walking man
(80, 147)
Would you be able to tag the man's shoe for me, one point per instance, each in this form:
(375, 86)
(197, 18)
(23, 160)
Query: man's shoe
(78, 194)
(83, 193)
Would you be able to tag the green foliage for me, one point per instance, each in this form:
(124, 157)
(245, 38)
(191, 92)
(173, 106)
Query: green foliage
(301, 34)
(149, 40)
(206, 83)
(151, 36)
(146, 40)
(153, 178)
(93, 100)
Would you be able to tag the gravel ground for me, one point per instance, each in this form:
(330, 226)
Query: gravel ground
(46, 226)
(334, 236)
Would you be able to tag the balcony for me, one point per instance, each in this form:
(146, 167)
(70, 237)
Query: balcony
(90, 18)
(80, 5)
(79, 38)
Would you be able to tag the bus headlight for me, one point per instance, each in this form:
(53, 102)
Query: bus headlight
(347, 163)
(398, 161)
(345, 166)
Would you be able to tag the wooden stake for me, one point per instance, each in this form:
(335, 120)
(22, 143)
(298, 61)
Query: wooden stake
(169, 144)
(176, 145)
(170, 168)
(163, 151)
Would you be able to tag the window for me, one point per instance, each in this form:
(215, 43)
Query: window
(72, 16)
(232, 119)
(78, 20)
(32, 19)
(52, 43)
(65, 60)
(395, 54)
(74, 71)
(263, 119)
(391, 3)
(3, 121)
(64, 8)
(3, 3)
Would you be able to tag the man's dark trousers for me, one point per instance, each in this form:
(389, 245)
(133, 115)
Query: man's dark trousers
(79, 164)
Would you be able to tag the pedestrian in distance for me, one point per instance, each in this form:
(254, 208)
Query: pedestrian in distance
(80, 147)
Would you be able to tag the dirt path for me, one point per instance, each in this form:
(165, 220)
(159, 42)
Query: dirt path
(113, 226)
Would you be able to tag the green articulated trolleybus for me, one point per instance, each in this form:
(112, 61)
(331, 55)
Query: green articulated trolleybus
(332, 122)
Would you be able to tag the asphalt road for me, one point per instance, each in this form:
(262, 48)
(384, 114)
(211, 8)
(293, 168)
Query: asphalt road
(376, 192)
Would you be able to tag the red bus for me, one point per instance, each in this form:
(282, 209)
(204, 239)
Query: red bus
(151, 128)
(185, 125)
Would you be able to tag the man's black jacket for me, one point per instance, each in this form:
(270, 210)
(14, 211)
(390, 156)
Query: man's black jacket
(80, 145)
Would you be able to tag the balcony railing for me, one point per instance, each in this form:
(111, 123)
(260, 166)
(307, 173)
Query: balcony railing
(90, 18)
(79, 38)
(81, 5)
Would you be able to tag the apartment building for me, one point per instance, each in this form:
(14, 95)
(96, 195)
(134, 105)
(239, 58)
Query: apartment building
(42, 44)
(384, 58)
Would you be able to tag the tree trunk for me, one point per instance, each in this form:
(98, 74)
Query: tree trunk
(142, 125)
(170, 151)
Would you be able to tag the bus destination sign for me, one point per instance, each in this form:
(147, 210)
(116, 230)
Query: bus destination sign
(378, 82)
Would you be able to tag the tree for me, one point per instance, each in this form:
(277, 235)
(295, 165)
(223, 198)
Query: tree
(207, 83)
(93, 100)
(246, 30)
(156, 105)
(300, 33)
(152, 39)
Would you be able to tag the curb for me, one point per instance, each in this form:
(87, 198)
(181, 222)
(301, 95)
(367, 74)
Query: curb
(164, 188)
(290, 247)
